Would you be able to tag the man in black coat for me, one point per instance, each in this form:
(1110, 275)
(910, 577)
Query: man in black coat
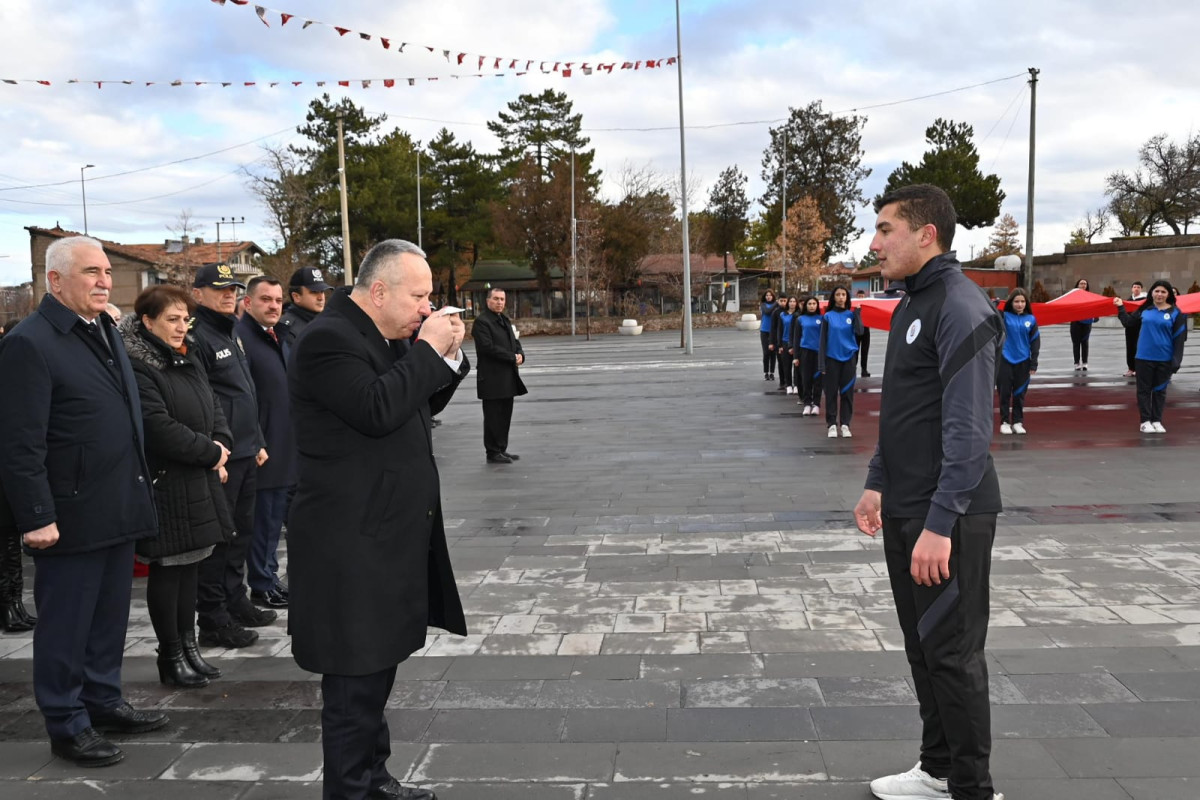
(267, 353)
(367, 551)
(223, 611)
(74, 471)
(307, 289)
(500, 356)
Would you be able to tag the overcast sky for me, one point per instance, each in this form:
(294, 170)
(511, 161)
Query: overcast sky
(1112, 75)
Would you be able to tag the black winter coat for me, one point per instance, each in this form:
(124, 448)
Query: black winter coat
(368, 564)
(496, 350)
(267, 362)
(224, 358)
(71, 443)
(293, 322)
(183, 422)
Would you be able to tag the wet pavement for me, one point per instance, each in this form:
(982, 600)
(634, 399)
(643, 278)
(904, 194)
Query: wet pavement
(667, 599)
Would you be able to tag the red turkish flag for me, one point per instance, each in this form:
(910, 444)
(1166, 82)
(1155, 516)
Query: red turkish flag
(341, 31)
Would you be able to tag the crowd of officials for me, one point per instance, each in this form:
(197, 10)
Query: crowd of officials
(813, 353)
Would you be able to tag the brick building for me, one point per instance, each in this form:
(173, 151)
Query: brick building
(136, 266)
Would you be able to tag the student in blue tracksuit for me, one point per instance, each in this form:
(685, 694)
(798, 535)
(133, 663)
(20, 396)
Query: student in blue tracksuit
(781, 335)
(837, 359)
(1081, 332)
(1162, 330)
(764, 334)
(1019, 360)
(807, 337)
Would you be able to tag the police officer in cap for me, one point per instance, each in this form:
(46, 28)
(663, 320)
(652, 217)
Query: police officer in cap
(307, 288)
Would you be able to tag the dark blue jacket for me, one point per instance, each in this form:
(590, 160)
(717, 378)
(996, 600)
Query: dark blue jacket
(1022, 341)
(839, 336)
(268, 368)
(1161, 334)
(223, 355)
(71, 441)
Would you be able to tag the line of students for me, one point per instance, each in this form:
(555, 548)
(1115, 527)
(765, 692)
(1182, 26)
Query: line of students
(814, 352)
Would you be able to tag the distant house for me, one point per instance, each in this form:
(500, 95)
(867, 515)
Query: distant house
(520, 286)
(136, 266)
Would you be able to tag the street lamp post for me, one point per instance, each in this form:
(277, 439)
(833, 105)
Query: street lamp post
(230, 221)
(83, 193)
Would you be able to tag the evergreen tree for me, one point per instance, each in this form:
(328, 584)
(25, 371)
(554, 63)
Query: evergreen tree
(542, 128)
(953, 166)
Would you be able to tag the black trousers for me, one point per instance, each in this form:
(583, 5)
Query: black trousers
(1131, 337)
(945, 630)
(171, 600)
(1012, 381)
(839, 391)
(355, 739)
(1153, 377)
(222, 577)
(768, 354)
(497, 417)
(864, 349)
(811, 380)
(785, 367)
(83, 613)
(1080, 334)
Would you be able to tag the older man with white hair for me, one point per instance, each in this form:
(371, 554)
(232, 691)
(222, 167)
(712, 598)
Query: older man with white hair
(74, 471)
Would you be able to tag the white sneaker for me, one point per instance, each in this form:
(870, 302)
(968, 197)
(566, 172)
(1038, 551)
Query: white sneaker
(1077, 368)
(1019, 427)
(1158, 427)
(833, 431)
(1147, 427)
(1005, 428)
(846, 434)
(916, 784)
(807, 410)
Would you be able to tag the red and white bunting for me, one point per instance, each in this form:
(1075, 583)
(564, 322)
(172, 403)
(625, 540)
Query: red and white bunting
(566, 68)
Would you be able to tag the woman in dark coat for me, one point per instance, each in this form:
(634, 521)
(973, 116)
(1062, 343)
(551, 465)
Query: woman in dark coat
(187, 444)
(14, 617)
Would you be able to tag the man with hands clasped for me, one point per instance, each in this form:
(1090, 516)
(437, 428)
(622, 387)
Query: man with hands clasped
(932, 489)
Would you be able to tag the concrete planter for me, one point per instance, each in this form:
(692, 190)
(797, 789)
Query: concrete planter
(629, 327)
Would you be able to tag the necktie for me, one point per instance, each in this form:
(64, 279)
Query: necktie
(271, 333)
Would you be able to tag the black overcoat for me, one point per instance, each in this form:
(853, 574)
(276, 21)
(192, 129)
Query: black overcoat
(183, 423)
(71, 444)
(368, 565)
(267, 361)
(496, 350)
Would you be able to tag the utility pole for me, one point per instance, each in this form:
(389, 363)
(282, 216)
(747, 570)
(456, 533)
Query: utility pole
(231, 221)
(687, 254)
(1033, 80)
(347, 268)
(83, 192)
(574, 237)
(418, 196)
(783, 219)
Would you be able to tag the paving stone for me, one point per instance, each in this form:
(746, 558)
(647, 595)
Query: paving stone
(1127, 758)
(584, 693)
(1087, 659)
(1129, 720)
(1162, 685)
(720, 762)
(702, 666)
(537, 762)
(143, 790)
(739, 725)
(752, 692)
(490, 694)
(856, 723)
(816, 665)
(1043, 722)
(1161, 788)
(1087, 687)
(615, 725)
(254, 762)
(508, 668)
(839, 691)
(508, 725)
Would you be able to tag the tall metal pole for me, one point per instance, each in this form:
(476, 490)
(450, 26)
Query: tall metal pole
(1033, 80)
(348, 270)
(574, 238)
(83, 192)
(419, 196)
(687, 253)
(783, 219)
(232, 221)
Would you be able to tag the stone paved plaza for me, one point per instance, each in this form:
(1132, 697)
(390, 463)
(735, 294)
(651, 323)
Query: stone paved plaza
(668, 599)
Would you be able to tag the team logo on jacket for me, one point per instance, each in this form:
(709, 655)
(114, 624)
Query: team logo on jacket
(849, 321)
(1028, 323)
(914, 331)
(1166, 315)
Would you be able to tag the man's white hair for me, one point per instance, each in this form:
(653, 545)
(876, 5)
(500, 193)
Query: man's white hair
(58, 254)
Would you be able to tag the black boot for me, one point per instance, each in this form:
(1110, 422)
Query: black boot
(13, 616)
(173, 668)
(192, 654)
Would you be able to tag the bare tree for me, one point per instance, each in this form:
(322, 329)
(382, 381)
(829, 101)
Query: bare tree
(284, 189)
(184, 226)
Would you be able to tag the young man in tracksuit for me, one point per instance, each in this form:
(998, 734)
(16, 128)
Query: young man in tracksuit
(932, 488)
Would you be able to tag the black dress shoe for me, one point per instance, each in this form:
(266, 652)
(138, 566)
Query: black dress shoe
(127, 719)
(231, 636)
(393, 790)
(87, 749)
(281, 587)
(498, 458)
(513, 456)
(270, 598)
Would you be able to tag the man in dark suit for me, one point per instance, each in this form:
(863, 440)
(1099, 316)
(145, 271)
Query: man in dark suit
(499, 354)
(266, 353)
(367, 551)
(74, 471)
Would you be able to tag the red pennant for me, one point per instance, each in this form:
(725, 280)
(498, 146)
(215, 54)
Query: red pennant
(497, 64)
(461, 56)
(566, 73)
(513, 64)
(480, 65)
(385, 42)
(240, 2)
(341, 31)
(389, 82)
(343, 83)
(44, 83)
(247, 83)
(283, 18)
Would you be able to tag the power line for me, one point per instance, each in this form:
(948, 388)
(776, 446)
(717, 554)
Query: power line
(147, 169)
(128, 202)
